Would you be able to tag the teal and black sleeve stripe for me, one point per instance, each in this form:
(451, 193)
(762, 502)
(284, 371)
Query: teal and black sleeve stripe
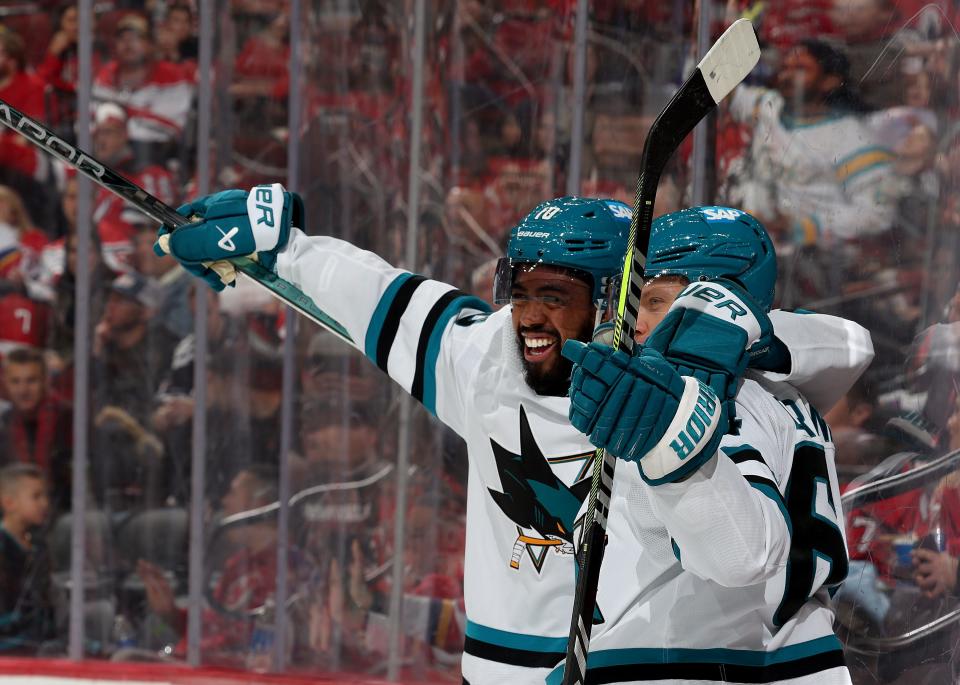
(738, 455)
(385, 322)
(424, 386)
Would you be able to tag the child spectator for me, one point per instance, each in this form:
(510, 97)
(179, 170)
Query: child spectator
(36, 428)
(26, 605)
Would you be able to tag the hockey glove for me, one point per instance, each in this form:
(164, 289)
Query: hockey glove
(640, 409)
(231, 223)
(711, 332)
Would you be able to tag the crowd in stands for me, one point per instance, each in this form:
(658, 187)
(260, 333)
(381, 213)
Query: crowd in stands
(843, 142)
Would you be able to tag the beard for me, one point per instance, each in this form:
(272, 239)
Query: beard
(550, 380)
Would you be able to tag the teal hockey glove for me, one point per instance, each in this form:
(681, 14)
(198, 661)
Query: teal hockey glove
(711, 332)
(641, 409)
(228, 224)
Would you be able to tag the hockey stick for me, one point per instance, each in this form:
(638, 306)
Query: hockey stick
(160, 212)
(725, 65)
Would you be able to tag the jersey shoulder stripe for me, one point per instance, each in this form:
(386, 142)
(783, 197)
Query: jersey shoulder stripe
(424, 387)
(720, 665)
(385, 321)
(517, 649)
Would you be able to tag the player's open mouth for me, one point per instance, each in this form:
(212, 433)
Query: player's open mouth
(536, 346)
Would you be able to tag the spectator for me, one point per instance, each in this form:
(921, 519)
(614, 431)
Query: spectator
(333, 366)
(246, 582)
(60, 342)
(814, 173)
(857, 448)
(156, 94)
(175, 37)
(26, 603)
(37, 428)
(59, 69)
(20, 241)
(131, 351)
(22, 166)
(116, 220)
(171, 283)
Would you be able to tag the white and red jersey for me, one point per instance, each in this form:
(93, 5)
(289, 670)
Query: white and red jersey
(529, 474)
(114, 217)
(158, 109)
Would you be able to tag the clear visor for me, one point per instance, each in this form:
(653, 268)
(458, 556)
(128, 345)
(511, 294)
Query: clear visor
(505, 277)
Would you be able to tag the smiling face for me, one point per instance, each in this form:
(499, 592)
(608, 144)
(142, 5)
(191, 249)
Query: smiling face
(549, 307)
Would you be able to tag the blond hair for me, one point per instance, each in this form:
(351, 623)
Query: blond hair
(21, 218)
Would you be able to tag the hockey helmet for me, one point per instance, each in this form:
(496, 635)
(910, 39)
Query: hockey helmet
(712, 242)
(587, 236)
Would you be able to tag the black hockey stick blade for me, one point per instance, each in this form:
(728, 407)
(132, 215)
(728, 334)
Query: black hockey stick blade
(725, 65)
(104, 176)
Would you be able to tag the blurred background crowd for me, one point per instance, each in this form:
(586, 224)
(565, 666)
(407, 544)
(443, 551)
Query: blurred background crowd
(844, 142)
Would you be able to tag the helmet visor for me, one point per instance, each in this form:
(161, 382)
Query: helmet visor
(557, 294)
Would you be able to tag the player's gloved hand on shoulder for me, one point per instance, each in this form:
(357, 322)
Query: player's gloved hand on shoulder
(228, 224)
(641, 409)
(711, 332)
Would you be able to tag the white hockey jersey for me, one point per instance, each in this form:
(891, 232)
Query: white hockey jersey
(529, 469)
(831, 176)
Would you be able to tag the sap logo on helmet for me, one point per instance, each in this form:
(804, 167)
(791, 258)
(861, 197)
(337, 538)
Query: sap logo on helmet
(720, 213)
(620, 210)
(533, 234)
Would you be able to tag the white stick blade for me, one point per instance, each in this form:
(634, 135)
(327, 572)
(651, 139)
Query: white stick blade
(730, 59)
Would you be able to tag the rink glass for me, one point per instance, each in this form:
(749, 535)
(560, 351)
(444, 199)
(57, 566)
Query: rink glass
(498, 114)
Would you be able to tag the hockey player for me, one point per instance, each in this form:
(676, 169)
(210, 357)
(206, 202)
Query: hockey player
(498, 380)
(737, 504)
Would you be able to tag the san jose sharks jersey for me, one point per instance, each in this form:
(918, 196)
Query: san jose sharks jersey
(730, 580)
(529, 469)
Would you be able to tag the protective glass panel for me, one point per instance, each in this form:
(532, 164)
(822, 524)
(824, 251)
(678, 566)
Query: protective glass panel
(898, 610)
(841, 143)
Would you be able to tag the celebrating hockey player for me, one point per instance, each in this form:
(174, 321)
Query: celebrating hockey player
(500, 382)
(739, 506)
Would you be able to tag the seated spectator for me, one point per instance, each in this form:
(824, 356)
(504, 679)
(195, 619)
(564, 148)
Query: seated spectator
(116, 220)
(247, 581)
(156, 94)
(131, 350)
(62, 336)
(331, 363)
(176, 37)
(22, 166)
(264, 60)
(26, 603)
(172, 284)
(857, 448)
(36, 428)
(59, 69)
(20, 241)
